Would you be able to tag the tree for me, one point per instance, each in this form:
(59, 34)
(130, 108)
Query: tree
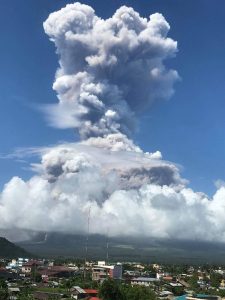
(26, 294)
(138, 292)
(222, 293)
(25, 297)
(110, 290)
(3, 294)
(215, 279)
(178, 290)
(36, 276)
(193, 281)
(3, 284)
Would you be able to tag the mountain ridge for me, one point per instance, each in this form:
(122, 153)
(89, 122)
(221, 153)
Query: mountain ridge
(127, 248)
(11, 250)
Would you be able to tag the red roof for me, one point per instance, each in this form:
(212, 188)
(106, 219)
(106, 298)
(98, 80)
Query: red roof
(2, 269)
(94, 298)
(31, 263)
(91, 291)
(60, 269)
(170, 278)
(51, 271)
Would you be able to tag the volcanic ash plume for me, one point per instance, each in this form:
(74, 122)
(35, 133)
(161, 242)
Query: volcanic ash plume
(110, 71)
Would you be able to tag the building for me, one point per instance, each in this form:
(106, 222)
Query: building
(202, 297)
(7, 275)
(79, 293)
(166, 295)
(175, 284)
(102, 271)
(144, 281)
(13, 292)
(168, 278)
(91, 292)
(14, 264)
(30, 266)
(54, 272)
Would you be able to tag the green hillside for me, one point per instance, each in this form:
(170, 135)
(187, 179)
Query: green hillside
(10, 250)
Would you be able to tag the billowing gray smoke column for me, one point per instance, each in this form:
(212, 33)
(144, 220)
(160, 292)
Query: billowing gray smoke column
(110, 70)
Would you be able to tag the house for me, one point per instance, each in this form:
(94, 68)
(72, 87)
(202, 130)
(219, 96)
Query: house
(131, 273)
(30, 266)
(13, 292)
(156, 266)
(175, 284)
(79, 293)
(168, 278)
(166, 295)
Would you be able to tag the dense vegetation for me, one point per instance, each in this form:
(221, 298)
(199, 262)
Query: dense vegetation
(113, 290)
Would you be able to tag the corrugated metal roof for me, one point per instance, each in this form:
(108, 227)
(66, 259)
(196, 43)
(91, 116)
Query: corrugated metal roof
(79, 289)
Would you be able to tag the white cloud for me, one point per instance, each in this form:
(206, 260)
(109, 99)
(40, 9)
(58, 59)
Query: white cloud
(140, 195)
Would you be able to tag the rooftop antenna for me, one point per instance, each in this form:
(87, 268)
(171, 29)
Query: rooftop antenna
(87, 238)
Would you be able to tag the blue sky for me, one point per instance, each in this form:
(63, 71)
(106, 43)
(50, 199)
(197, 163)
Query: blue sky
(189, 129)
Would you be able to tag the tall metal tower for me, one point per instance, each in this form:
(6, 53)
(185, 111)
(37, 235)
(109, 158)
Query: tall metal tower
(107, 245)
(87, 238)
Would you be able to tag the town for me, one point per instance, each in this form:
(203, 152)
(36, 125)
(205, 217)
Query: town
(23, 278)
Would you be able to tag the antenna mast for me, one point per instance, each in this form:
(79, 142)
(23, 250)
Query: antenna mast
(107, 246)
(87, 238)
